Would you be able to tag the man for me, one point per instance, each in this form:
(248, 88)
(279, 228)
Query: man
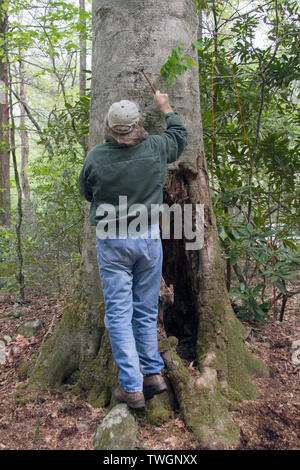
(133, 165)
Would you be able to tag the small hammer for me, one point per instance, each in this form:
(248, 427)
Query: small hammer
(146, 77)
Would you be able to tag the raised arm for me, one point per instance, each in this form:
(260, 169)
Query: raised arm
(173, 140)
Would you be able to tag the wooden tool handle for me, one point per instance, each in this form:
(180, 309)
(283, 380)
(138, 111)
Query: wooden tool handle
(152, 87)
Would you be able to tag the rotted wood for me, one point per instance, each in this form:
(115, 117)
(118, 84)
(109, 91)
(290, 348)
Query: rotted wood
(180, 267)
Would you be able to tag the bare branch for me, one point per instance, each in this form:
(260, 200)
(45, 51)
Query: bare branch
(34, 122)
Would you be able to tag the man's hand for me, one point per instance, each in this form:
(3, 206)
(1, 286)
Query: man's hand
(162, 102)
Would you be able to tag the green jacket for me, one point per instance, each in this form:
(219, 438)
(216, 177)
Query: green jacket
(138, 172)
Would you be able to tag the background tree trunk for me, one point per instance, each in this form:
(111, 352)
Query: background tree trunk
(23, 133)
(4, 132)
(127, 36)
(82, 66)
(82, 58)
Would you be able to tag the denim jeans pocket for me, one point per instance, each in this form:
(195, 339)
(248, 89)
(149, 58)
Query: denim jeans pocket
(112, 250)
(154, 248)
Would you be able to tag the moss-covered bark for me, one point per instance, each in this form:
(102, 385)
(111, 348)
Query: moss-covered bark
(159, 409)
(76, 341)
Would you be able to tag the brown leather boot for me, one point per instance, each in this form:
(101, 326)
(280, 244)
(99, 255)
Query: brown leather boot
(134, 400)
(153, 384)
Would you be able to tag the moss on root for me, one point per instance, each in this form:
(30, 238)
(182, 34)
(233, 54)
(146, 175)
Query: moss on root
(220, 349)
(158, 409)
(165, 344)
(62, 354)
(204, 408)
(26, 368)
(233, 362)
(98, 376)
(241, 363)
(212, 422)
(255, 366)
(23, 394)
(59, 355)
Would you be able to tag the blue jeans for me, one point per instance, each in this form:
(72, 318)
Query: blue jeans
(130, 271)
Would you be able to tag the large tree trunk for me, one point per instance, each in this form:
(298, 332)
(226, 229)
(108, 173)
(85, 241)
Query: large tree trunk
(127, 36)
(4, 132)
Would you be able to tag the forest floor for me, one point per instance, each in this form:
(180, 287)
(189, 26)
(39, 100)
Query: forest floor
(61, 420)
